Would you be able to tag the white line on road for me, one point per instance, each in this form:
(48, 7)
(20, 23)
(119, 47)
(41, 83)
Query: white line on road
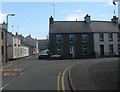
(7, 84)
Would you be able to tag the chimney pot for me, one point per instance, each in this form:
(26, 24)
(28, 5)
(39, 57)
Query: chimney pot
(114, 19)
(87, 19)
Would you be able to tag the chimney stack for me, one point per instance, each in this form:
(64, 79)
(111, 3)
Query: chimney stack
(87, 19)
(114, 19)
(51, 20)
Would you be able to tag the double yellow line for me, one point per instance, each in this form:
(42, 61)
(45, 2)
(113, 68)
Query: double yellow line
(60, 82)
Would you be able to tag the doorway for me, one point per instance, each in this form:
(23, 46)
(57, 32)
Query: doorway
(72, 52)
(102, 50)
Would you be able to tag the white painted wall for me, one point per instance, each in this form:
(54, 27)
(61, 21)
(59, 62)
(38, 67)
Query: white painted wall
(10, 38)
(37, 50)
(106, 44)
(96, 43)
(17, 51)
(115, 43)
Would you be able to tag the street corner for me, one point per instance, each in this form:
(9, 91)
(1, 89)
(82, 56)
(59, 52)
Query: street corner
(105, 74)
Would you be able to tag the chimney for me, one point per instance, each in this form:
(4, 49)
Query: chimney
(51, 20)
(87, 19)
(114, 19)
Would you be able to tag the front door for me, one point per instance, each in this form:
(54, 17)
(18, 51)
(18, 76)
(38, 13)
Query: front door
(72, 52)
(102, 50)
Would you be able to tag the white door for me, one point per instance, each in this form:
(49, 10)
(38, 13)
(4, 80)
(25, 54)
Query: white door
(72, 51)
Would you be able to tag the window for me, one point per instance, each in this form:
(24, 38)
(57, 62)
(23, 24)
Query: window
(110, 37)
(85, 49)
(2, 35)
(118, 48)
(84, 37)
(72, 38)
(111, 49)
(118, 35)
(101, 36)
(59, 49)
(2, 50)
(59, 38)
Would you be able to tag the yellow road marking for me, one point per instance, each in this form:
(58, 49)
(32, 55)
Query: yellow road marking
(63, 83)
(58, 82)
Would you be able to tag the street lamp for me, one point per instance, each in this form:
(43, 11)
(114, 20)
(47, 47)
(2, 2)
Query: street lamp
(7, 18)
(6, 33)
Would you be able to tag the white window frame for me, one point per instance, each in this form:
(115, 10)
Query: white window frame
(85, 49)
(84, 37)
(73, 37)
(59, 37)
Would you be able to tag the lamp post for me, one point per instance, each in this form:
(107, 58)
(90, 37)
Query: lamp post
(7, 18)
(6, 34)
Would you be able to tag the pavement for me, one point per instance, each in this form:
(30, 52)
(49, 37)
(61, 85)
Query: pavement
(95, 76)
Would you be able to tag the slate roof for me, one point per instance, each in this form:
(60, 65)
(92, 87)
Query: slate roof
(82, 27)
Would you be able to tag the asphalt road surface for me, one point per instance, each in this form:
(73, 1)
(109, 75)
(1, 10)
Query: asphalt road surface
(33, 74)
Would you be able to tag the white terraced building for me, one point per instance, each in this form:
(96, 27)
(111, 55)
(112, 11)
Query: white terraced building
(15, 49)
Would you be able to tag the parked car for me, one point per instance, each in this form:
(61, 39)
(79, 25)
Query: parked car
(44, 54)
(55, 56)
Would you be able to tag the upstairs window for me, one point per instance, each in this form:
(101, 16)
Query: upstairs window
(72, 38)
(84, 37)
(2, 35)
(59, 38)
(101, 36)
(110, 37)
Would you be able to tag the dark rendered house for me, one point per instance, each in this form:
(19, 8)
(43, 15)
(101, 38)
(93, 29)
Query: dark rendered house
(82, 39)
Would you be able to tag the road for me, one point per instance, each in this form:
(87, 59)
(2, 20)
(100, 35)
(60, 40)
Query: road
(33, 74)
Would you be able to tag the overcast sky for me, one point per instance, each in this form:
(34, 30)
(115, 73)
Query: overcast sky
(33, 17)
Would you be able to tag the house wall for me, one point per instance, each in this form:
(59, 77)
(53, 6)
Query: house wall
(42, 44)
(4, 44)
(10, 46)
(106, 43)
(37, 50)
(32, 43)
(15, 49)
(0, 44)
(115, 43)
(96, 44)
(77, 45)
